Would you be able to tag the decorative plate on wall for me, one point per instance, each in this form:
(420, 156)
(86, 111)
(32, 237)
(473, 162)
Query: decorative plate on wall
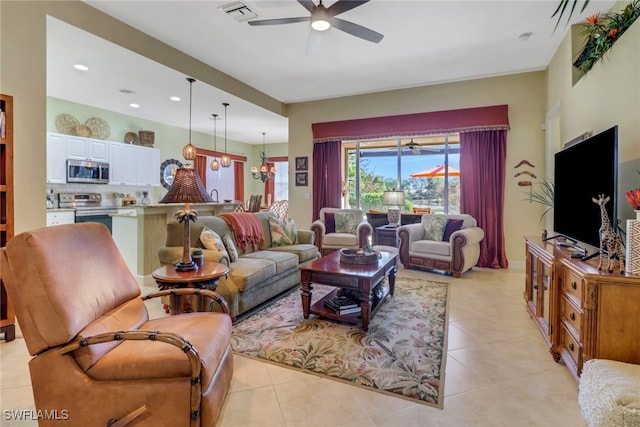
(99, 128)
(67, 124)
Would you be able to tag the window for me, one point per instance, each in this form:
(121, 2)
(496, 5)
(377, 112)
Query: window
(221, 180)
(281, 182)
(426, 168)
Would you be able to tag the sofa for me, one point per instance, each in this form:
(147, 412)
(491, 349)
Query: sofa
(449, 243)
(341, 228)
(255, 275)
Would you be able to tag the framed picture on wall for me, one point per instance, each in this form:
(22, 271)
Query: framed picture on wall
(301, 179)
(302, 164)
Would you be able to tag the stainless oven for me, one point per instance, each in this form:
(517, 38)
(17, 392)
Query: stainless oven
(88, 207)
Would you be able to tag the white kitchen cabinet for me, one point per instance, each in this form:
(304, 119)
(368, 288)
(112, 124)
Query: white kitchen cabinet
(79, 148)
(134, 165)
(56, 158)
(148, 166)
(60, 217)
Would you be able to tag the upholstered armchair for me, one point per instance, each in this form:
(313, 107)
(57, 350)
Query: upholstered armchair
(341, 228)
(450, 243)
(98, 358)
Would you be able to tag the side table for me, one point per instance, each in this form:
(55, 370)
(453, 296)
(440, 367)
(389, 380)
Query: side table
(386, 236)
(205, 277)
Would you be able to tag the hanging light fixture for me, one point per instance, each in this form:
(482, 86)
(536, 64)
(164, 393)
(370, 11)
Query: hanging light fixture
(215, 164)
(225, 160)
(264, 173)
(189, 151)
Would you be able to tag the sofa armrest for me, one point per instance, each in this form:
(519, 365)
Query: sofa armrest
(306, 236)
(364, 231)
(318, 229)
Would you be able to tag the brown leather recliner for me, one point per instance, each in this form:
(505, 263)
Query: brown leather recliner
(97, 355)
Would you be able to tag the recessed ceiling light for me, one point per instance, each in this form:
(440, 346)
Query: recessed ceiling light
(81, 67)
(525, 36)
(134, 105)
(175, 98)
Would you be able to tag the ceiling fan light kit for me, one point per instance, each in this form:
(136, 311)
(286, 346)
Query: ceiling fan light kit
(323, 18)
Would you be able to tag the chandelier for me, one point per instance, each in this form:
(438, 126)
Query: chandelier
(264, 172)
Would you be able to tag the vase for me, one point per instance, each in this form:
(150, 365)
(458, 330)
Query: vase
(632, 255)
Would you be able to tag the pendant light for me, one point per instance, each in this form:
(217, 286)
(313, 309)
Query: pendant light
(264, 173)
(215, 164)
(225, 160)
(189, 151)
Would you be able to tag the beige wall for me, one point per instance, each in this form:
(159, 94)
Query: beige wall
(608, 95)
(524, 93)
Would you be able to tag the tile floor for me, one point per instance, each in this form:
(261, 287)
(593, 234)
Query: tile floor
(498, 373)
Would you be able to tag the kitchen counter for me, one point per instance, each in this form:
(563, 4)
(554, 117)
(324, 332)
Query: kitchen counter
(61, 210)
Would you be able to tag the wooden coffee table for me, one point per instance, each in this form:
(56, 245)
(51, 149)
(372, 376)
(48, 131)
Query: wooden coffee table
(328, 270)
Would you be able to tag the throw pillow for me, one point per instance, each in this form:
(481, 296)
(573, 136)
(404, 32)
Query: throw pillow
(329, 222)
(231, 247)
(346, 223)
(434, 228)
(452, 226)
(212, 241)
(283, 233)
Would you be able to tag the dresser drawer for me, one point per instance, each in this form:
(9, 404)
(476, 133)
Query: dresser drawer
(571, 315)
(571, 346)
(572, 284)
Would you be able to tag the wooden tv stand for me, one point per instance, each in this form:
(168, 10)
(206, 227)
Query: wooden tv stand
(582, 313)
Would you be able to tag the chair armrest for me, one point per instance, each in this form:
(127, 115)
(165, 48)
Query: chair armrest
(471, 235)
(407, 234)
(364, 230)
(191, 291)
(306, 236)
(167, 337)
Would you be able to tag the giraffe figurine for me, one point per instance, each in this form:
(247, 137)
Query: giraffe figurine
(609, 239)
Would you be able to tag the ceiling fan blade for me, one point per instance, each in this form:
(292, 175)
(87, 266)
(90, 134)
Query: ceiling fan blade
(356, 30)
(279, 21)
(307, 4)
(342, 6)
(315, 37)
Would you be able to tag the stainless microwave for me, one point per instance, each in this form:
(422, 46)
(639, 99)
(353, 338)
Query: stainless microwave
(87, 172)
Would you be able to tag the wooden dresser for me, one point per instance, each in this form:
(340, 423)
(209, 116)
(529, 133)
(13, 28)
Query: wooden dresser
(581, 312)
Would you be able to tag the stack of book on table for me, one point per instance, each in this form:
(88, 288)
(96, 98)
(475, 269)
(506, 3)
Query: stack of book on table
(342, 305)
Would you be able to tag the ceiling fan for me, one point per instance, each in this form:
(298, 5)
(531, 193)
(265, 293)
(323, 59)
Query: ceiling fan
(322, 18)
(415, 148)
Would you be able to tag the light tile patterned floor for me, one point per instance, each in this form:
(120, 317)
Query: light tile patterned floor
(498, 373)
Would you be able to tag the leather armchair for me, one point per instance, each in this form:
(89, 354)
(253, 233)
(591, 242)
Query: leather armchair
(98, 358)
(454, 254)
(341, 228)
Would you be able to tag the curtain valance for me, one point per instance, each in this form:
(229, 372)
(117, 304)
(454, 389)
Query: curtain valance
(463, 120)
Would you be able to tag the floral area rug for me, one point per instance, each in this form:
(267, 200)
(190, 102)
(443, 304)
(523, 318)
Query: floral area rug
(402, 354)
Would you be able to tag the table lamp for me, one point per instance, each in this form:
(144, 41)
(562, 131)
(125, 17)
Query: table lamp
(186, 188)
(393, 199)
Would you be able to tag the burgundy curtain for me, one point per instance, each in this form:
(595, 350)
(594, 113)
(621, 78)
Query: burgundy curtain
(327, 179)
(238, 179)
(463, 120)
(200, 166)
(483, 165)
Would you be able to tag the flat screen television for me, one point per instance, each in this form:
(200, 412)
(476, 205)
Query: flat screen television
(582, 172)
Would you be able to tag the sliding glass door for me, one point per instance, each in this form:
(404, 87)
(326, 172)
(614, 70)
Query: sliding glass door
(426, 168)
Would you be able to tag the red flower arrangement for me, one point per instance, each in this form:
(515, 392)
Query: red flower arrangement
(633, 197)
